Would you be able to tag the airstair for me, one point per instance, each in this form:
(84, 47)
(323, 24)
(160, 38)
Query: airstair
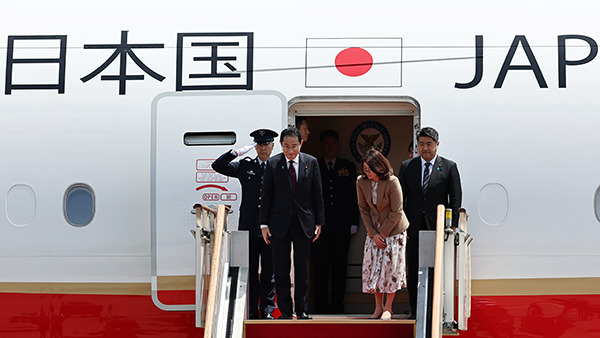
(222, 272)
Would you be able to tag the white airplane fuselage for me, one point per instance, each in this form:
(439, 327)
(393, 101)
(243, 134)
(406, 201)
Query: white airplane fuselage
(510, 88)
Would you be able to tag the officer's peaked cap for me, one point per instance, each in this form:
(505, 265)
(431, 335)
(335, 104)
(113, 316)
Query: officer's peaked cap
(262, 136)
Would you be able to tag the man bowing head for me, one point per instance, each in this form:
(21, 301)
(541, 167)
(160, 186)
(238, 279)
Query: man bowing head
(291, 211)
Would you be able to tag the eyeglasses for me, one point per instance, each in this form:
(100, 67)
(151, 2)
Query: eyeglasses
(291, 147)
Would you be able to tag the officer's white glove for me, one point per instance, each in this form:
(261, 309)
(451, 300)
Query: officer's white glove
(353, 229)
(244, 150)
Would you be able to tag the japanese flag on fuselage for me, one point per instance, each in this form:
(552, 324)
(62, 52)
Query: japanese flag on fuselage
(367, 62)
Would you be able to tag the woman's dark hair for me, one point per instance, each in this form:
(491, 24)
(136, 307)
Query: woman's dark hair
(378, 164)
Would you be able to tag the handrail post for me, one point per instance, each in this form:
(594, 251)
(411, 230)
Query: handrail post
(202, 232)
(437, 274)
(425, 283)
(464, 271)
(450, 237)
(451, 263)
(215, 271)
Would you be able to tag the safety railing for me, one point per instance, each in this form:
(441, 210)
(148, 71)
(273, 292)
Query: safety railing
(212, 266)
(438, 267)
(219, 266)
(205, 226)
(451, 265)
(463, 254)
(221, 274)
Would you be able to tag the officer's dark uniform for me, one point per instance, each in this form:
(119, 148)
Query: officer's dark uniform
(331, 249)
(249, 172)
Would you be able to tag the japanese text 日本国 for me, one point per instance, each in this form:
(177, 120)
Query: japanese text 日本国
(204, 61)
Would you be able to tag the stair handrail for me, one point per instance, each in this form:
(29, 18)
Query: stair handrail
(215, 271)
(436, 306)
(205, 219)
(464, 270)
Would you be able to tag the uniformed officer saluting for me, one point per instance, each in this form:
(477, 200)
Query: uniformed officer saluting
(250, 172)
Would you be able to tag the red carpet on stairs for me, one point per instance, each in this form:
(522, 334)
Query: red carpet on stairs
(329, 328)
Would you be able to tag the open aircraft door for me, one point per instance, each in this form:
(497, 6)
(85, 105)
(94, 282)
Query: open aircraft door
(189, 131)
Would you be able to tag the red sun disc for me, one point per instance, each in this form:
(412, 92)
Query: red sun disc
(354, 61)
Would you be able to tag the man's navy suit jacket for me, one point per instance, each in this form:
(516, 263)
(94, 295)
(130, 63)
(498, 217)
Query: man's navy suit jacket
(278, 200)
(444, 188)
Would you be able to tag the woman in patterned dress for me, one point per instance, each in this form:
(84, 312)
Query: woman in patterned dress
(380, 203)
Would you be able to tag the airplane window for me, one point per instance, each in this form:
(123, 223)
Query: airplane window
(20, 205)
(493, 204)
(597, 204)
(209, 138)
(79, 204)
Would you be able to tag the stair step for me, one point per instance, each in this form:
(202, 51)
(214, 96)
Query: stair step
(330, 327)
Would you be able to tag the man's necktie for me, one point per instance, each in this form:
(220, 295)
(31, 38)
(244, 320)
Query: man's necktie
(292, 176)
(330, 164)
(426, 177)
(262, 169)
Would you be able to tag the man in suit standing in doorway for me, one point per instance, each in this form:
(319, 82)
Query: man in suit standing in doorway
(302, 125)
(427, 181)
(291, 211)
(330, 252)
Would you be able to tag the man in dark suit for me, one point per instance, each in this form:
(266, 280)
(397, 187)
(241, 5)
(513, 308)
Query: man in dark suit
(291, 211)
(330, 252)
(302, 125)
(250, 172)
(427, 181)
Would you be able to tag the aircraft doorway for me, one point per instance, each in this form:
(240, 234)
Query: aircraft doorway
(387, 123)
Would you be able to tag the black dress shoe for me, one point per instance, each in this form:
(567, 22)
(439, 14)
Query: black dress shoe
(303, 315)
(285, 316)
(267, 315)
